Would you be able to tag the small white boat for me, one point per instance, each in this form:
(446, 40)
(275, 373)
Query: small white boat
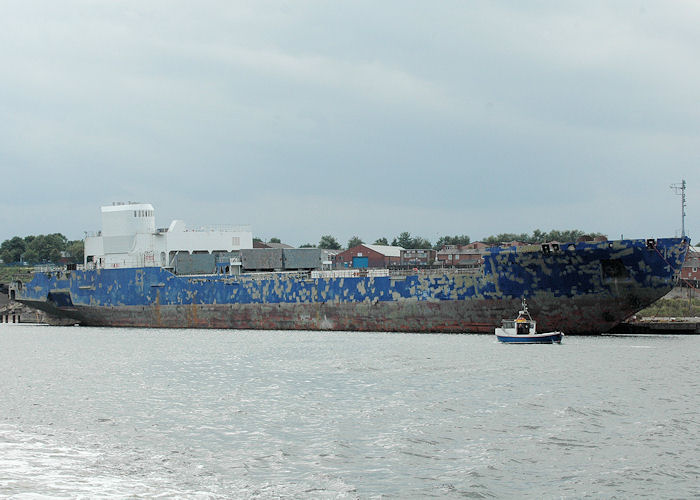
(523, 330)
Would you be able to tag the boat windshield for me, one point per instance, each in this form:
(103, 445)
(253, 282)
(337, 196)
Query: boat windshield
(508, 323)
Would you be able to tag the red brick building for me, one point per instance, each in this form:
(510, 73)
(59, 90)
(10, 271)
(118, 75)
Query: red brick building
(418, 256)
(461, 255)
(691, 267)
(364, 255)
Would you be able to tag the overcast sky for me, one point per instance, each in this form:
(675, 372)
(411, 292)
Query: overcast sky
(352, 118)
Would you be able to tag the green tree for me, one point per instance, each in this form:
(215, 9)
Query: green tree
(419, 242)
(11, 250)
(75, 250)
(381, 241)
(329, 243)
(569, 235)
(307, 245)
(275, 240)
(46, 248)
(506, 237)
(462, 239)
(354, 241)
(539, 236)
(405, 240)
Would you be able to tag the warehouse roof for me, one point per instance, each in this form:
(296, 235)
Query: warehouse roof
(386, 250)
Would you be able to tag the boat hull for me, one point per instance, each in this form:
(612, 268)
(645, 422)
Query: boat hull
(540, 338)
(582, 315)
(573, 291)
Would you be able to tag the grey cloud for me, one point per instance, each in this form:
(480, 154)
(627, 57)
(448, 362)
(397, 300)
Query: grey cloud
(351, 117)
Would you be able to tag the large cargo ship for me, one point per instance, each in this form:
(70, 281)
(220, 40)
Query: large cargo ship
(138, 276)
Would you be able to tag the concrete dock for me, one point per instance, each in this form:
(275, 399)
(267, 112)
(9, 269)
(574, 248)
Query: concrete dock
(660, 326)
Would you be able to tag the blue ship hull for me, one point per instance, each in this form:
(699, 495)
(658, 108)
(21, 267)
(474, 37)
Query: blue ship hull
(578, 288)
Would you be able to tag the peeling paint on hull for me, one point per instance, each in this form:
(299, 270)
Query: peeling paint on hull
(585, 289)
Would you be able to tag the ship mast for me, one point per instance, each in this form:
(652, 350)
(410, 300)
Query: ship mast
(680, 189)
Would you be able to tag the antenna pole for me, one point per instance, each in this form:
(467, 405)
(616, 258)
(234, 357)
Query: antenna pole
(680, 189)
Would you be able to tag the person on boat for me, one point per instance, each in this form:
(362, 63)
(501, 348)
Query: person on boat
(522, 326)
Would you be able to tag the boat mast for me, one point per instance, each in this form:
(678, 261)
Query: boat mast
(680, 189)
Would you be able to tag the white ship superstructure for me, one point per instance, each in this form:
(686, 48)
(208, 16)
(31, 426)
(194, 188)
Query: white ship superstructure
(129, 238)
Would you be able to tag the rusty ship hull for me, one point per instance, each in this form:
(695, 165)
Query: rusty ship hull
(582, 288)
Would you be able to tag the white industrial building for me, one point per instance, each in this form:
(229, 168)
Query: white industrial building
(129, 238)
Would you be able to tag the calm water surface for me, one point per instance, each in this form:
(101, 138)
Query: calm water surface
(143, 413)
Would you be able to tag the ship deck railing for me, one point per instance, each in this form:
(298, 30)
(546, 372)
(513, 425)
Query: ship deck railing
(48, 268)
(434, 271)
(220, 228)
(334, 274)
(297, 274)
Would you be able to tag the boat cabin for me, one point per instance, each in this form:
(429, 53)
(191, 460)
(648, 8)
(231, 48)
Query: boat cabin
(522, 325)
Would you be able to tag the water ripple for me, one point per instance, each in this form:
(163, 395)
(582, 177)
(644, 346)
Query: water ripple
(111, 413)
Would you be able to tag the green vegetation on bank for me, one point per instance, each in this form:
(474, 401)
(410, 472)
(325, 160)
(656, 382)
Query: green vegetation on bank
(672, 308)
(8, 273)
